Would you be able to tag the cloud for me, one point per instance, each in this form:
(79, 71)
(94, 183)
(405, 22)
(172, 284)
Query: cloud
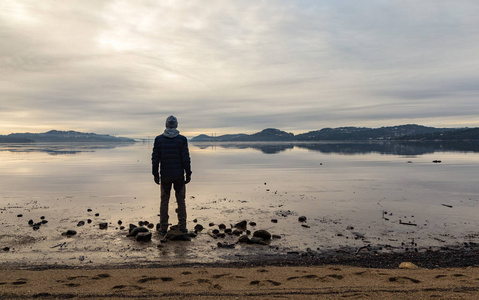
(226, 66)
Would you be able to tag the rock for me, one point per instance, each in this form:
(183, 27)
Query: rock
(199, 227)
(135, 231)
(89, 210)
(103, 225)
(229, 231)
(222, 226)
(42, 218)
(89, 221)
(120, 222)
(176, 235)
(305, 226)
(30, 222)
(211, 224)
(36, 226)
(252, 224)
(274, 220)
(6, 249)
(276, 236)
(262, 234)
(244, 239)
(151, 225)
(258, 240)
(302, 219)
(237, 232)
(132, 226)
(215, 231)
(122, 227)
(195, 221)
(69, 233)
(225, 245)
(44, 222)
(143, 237)
(408, 265)
(81, 223)
(241, 224)
(350, 228)
(141, 223)
(221, 235)
(97, 214)
(19, 216)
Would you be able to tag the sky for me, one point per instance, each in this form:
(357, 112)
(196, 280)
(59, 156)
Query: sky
(224, 66)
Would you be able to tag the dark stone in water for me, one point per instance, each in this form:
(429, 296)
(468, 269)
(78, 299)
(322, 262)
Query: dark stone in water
(97, 214)
(252, 224)
(151, 225)
(211, 224)
(89, 210)
(244, 239)
(248, 232)
(237, 232)
(103, 225)
(225, 245)
(258, 240)
(69, 233)
(120, 222)
(36, 227)
(215, 231)
(6, 249)
(199, 227)
(42, 218)
(305, 226)
(302, 219)
(241, 224)
(122, 227)
(276, 236)
(132, 226)
(195, 221)
(143, 237)
(89, 221)
(265, 235)
(44, 221)
(81, 223)
(229, 231)
(135, 231)
(177, 235)
(141, 223)
(20, 215)
(221, 235)
(30, 222)
(222, 226)
(274, 220)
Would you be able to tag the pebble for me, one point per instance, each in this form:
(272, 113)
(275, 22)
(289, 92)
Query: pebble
(143, 237)
(265, 235)
(103, 225)
(302, 219)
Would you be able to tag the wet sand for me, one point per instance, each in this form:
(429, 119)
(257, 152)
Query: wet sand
(200, 282)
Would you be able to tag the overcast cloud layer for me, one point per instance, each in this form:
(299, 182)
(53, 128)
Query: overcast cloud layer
(121, 67)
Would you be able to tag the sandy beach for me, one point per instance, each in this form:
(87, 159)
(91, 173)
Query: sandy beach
(200, 282)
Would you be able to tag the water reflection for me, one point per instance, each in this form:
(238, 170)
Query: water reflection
(59, 149)
(351, 148)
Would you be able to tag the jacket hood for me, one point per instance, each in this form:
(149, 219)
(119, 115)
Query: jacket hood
(171, 132)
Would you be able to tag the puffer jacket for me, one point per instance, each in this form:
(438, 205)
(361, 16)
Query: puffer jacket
(171, 154)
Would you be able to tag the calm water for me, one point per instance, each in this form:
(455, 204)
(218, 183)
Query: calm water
(351, 194)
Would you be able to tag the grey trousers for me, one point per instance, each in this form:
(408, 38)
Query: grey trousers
(180, 194)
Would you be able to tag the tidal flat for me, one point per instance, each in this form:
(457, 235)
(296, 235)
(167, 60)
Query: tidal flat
(361, 201)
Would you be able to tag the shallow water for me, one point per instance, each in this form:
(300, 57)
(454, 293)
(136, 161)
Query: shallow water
(353, 195)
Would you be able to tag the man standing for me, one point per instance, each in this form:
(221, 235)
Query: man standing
(171, 156)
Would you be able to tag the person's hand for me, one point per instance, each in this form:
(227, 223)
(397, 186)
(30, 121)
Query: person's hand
(188, 179)
(157, 179)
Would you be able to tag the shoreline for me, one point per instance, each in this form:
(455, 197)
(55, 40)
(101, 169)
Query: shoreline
(457, 257)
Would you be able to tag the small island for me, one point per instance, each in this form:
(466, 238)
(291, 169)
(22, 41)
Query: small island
(56, 136)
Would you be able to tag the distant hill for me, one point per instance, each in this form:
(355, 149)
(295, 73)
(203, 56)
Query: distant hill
(55, 136)
(400, 132)
(463, 134)
(269, 134)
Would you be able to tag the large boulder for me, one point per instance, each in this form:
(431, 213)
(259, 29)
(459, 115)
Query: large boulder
(265, 235)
